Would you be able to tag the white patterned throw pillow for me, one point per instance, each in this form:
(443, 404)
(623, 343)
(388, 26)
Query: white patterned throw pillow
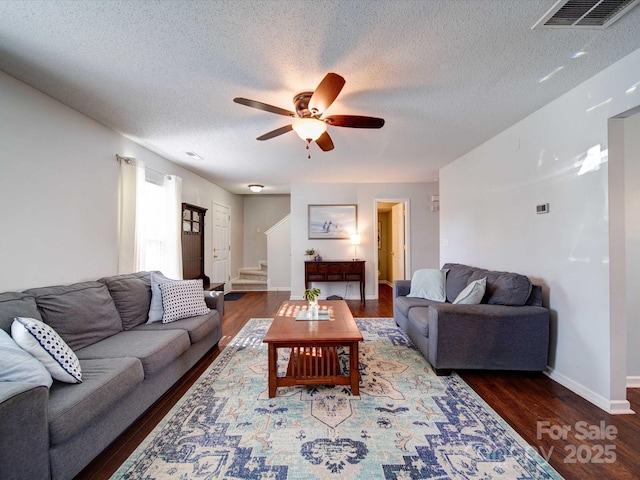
(155, 308)
(182, 299)
(42, 341)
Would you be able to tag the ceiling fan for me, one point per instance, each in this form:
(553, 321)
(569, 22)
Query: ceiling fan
(310, 125)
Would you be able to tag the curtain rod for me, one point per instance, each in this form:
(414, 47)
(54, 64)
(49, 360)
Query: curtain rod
(130, 160)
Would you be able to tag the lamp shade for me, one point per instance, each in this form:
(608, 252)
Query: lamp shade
(355, 239)
(309, 128)
(256, 188)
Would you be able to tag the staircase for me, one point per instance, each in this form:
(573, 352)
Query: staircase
(251, 279)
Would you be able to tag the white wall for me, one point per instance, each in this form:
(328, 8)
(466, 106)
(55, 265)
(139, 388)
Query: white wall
(632, 236)
(423, 230)
(58, 192)
(488, 219)
(279, 255)
(261, 212)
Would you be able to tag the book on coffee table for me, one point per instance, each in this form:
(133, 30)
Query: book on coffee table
(307, 315)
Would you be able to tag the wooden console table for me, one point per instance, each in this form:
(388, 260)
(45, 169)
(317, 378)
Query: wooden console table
(335, 271)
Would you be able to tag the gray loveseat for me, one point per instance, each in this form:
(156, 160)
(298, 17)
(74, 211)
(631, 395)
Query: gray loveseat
(126, 365)
(508, 330)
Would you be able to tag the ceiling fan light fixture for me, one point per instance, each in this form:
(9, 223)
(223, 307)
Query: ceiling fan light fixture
(255, 188)
(309, 129)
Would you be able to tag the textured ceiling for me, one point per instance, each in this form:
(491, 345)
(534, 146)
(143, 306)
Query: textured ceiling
(446, 76)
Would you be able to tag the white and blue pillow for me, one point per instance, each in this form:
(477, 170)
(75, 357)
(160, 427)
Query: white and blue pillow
(182, 299)
(42, 342)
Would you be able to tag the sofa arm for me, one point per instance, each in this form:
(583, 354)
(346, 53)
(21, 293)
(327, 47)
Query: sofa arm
(215, 301)
(24, 431)
(496, 337)
(401, 288)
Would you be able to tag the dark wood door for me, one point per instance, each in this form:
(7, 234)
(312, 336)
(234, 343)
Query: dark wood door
(193, 243)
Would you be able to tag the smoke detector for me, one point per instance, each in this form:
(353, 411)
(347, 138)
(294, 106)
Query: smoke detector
(585, 13)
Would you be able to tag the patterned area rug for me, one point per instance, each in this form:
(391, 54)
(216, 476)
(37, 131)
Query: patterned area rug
(407, 423)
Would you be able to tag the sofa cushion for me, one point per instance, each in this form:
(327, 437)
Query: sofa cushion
(405, 304)
(197, 327)
(82, 313)
(105, 383)
(41, 341)
(419, 318)
(14, 304)
(132, 296)
(457, 279)
(473, 293)
(429, 283)
(504, 288)
(155, 349)
(182, 299)
(17, 365)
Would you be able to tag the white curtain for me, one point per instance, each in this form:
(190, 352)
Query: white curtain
(150, 236)
(127, 188)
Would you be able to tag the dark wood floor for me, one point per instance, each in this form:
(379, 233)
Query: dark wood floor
(598, 445)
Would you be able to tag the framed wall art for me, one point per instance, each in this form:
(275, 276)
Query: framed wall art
(332, 221)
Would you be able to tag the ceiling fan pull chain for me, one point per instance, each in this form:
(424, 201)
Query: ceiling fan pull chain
(309, 151)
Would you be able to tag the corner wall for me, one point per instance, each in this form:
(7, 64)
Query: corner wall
(59, 192)
(558, 155)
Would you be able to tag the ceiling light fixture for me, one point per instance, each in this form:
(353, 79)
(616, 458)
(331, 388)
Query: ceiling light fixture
(309, 129)
(194, 155)
(255, 188)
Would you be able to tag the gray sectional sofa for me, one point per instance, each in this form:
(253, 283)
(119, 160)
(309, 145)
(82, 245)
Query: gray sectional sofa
(126, 364)
(508, 330)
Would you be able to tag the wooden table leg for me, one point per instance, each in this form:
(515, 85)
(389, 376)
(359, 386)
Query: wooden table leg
(273, 369)
(354, 369)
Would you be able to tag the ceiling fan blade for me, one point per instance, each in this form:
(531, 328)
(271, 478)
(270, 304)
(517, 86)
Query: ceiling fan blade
(324, 142)
(327, 91)
(354, 121)
(264, 106)
(275, 133)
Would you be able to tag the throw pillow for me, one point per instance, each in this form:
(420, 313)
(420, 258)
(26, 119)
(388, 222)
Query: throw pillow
(16, 365)
(81, 313)
(429, 283)
(155, 308)
(42, 341)
(182, 299)
(472, 293)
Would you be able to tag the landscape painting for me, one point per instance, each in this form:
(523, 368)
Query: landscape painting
(332, 221)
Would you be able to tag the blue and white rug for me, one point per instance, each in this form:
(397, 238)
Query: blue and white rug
(407, 422)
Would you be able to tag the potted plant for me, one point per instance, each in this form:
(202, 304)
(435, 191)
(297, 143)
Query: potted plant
(311, 294)
(310, 253)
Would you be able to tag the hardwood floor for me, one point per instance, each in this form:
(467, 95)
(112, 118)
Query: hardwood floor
(594, 444)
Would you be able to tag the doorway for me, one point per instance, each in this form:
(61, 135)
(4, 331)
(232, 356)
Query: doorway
(221, 245)
(392, 252)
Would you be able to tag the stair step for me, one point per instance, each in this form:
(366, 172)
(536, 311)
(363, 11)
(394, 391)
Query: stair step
(252, 274)
(247, 284)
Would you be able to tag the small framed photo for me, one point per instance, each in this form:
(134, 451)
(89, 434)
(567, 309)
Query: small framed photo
(332, 221)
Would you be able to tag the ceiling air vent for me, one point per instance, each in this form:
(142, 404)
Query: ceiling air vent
(585, 13)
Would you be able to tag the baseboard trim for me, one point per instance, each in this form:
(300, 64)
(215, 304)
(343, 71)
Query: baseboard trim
(614, 407)
(633, 382)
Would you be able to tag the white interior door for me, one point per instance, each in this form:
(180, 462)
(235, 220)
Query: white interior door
(221, 247)
(397, 242)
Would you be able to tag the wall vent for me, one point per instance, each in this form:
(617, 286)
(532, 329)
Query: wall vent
(585, 13)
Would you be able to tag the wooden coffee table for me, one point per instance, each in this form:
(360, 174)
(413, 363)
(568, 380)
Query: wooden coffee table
(314, 346)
